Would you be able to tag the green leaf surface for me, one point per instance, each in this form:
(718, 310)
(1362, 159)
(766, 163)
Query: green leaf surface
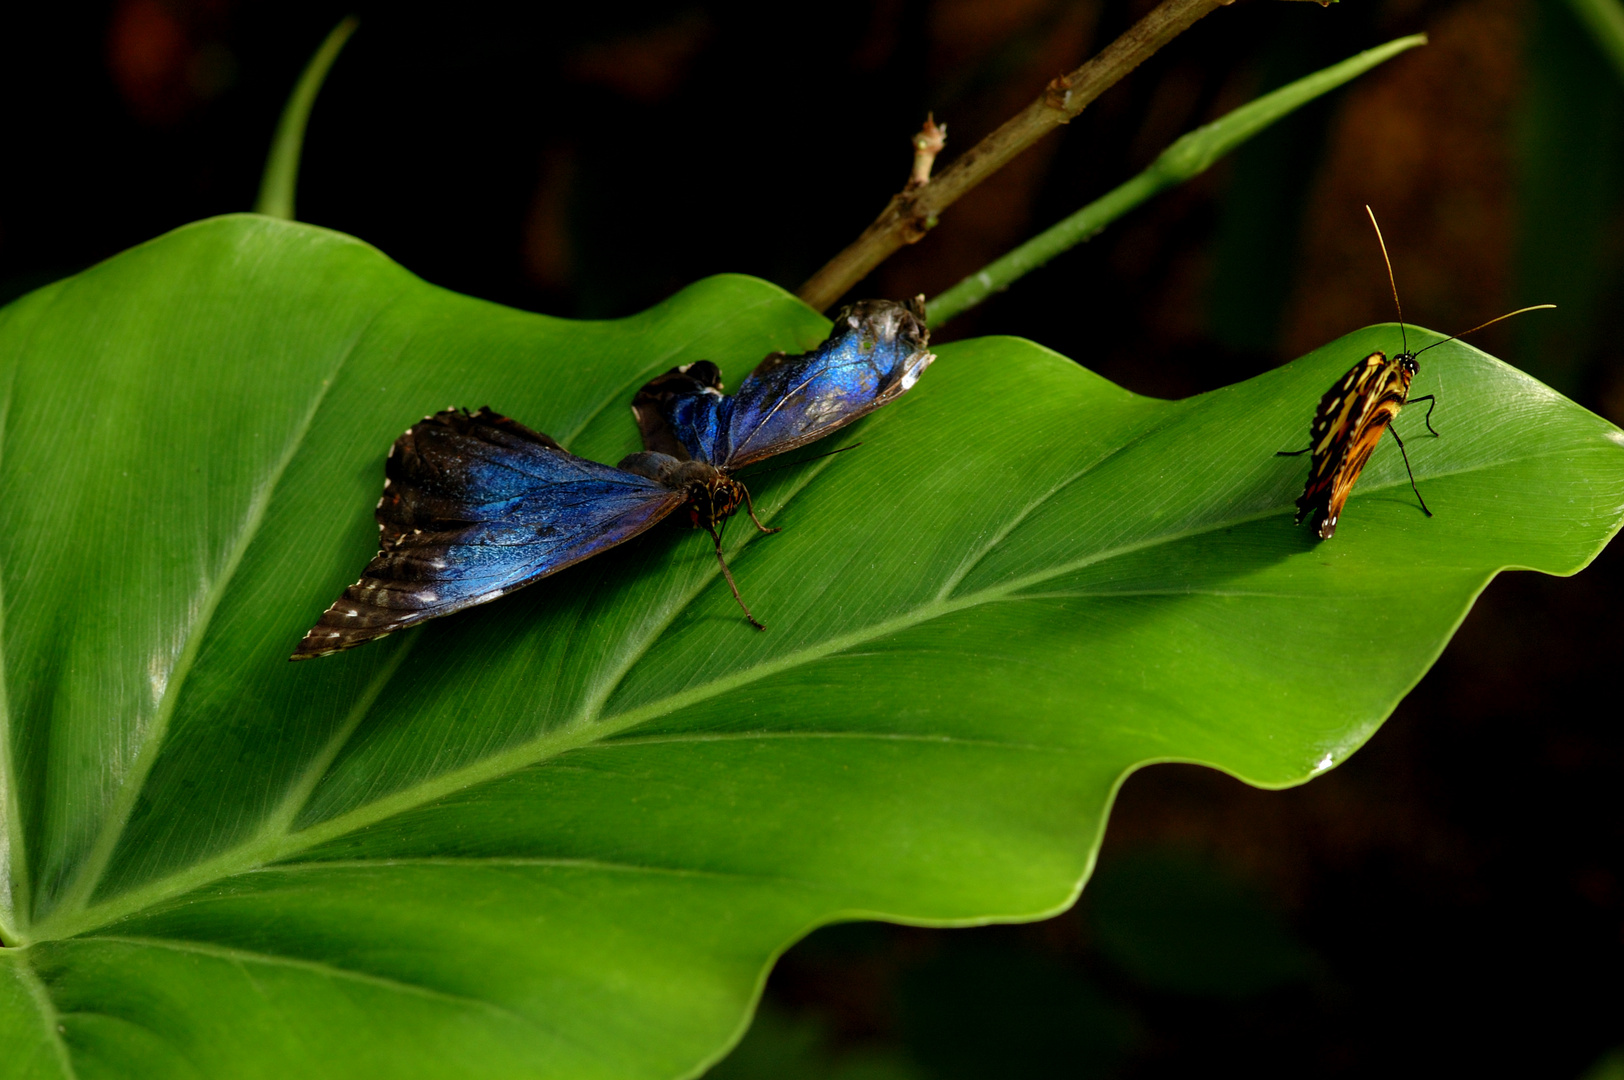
(565, 834)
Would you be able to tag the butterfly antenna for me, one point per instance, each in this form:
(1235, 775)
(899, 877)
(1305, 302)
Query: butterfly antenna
(1491, 322)
(1396, 305)
(717, 539)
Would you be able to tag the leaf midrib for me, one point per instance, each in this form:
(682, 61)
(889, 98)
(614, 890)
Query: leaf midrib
(332, 971)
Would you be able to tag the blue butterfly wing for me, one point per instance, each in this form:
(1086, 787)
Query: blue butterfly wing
(874, 354)
(475, 506)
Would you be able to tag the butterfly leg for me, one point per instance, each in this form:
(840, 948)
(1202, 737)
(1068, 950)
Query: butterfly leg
(717, 539)
(1407, 469)
(750, 506)
(1428, 418)
(1292, 453)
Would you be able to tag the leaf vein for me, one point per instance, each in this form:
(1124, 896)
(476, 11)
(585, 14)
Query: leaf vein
(592, 704)
(91, 871)
(333, 971)
(1003, 532)
(526, 862)
(14, 884)
(298, 794)
(861, 736)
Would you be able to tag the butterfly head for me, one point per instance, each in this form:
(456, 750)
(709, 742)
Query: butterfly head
(713, 499)
(1407, 363)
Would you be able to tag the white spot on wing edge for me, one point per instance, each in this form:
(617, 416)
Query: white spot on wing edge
(917, 369)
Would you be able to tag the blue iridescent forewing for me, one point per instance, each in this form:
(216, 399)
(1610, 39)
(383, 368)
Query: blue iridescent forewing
(475, 506)
(874, 354)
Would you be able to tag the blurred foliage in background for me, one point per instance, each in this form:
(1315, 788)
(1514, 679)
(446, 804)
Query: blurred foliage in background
(1451, 899)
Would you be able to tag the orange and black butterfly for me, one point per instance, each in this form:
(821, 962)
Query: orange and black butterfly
(1353, 414)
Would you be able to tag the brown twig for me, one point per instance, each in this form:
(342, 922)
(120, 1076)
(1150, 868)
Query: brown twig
(927, 144)
(913, 211)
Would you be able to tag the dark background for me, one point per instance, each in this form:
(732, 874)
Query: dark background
(1452, 899)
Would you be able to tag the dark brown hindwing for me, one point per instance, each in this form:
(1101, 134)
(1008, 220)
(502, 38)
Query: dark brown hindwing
(648, 406)
(421, 492)
(418, 516)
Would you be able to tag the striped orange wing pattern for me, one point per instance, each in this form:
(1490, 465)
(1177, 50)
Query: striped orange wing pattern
(1347, 426)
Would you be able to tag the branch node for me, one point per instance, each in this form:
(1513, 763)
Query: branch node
(911, 213)
(1057, 95)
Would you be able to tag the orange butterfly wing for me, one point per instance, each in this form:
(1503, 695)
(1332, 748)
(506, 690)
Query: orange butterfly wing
(1347, 426)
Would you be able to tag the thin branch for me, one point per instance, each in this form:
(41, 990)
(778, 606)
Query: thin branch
(1188, 157)
(913, 211)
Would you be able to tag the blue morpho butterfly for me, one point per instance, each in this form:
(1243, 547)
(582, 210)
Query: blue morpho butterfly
(476, 505)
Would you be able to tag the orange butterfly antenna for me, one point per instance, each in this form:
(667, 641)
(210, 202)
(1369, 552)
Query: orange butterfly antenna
(1491, 322)
(1400, 308)
(1402, 336)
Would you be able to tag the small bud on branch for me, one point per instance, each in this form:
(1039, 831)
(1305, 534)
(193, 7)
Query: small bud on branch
(912, 211)
(927, 144)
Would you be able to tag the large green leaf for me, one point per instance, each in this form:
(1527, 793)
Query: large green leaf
(565, 834)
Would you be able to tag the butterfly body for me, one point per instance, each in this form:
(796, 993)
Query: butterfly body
(1347, 425)
(712, 496)
(1353, 414)
(476, 505)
